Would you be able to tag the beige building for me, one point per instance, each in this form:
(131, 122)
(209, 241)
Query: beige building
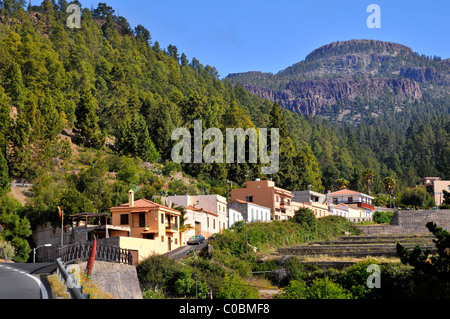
(320, 210)
(153, 228)
(206, 213)
(435, 187)
(203, 222)
(266, 194)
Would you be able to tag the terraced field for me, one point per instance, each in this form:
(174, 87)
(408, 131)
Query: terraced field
(361, 246)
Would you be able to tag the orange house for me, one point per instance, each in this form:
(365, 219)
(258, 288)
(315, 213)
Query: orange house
(156, 226)
(266, 194)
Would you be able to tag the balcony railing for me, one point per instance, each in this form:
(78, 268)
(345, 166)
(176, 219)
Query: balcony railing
(172, 227)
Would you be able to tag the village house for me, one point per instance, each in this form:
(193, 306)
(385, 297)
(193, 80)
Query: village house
(315, 201)
(436, 187)
(234, 216)
(248, 211)
(266, 194)
(207, 214)
(202, 222)
(360, 206)
(153, 228)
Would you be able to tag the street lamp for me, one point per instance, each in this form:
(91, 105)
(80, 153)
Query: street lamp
(34, 251)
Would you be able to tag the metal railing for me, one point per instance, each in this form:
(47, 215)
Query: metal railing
(70, 280)
(81, 251)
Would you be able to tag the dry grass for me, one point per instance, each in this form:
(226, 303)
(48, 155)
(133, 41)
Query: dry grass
(58, 288)
(89, 287)
(349, 259)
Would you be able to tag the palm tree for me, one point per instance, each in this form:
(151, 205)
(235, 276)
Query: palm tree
(342, 183)
(368, 176)
(183, 227)
(389, 185)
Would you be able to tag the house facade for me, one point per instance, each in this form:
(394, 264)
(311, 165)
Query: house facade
(251, 212)
(435, 187)
(360, 206)
(206, 213)
(234, 216)
(266, 194)
(153, 228)
(315, 201)
(203, 222)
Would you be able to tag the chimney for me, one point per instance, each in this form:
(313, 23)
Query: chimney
(131, 198)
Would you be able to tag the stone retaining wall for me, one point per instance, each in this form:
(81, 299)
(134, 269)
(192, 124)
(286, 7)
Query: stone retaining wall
(410, 222)
(118, 280)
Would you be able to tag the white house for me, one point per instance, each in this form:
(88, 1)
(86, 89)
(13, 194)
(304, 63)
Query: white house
(206, 213)
(251, 211)
(234, 216)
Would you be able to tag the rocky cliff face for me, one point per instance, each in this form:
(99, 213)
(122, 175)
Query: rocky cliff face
(343, 72)
(312, 97)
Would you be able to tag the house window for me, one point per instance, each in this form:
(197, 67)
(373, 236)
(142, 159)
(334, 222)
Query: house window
(162, 239)
(214, 224)
(335, 200)
(250, 199)
(176, 241)
(141, 220)
(350, 199)
(124, 219)
(162, 218)
(207, 221)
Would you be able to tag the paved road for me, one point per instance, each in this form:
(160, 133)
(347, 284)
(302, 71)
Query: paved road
(20, 281)
(182, 252)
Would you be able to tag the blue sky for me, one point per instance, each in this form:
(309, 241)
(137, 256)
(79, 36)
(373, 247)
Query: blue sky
(267, 35)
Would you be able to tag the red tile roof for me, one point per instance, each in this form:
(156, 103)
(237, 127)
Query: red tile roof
(344, 192)
(196, 209)
(145, 203)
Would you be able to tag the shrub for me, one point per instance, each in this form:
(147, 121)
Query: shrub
(158, 271)
(383, 217)
(185, 285)
(299, 290)
(355, 277)
(155, 293)
(234, 287)
(306, 218)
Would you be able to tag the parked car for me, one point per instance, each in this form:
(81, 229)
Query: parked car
(196, 240)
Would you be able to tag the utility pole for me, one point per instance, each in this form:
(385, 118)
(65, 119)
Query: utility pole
(61, 214)
(196, 277)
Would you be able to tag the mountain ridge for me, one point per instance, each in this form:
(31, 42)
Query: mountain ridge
(321, 82)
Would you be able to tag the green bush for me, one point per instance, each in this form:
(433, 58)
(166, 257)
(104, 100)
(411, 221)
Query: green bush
(317, 290)
(185, 285)
(158, 271)
(234, 287)
(383, 217)
(155, 293)
(306, 218)
(354, 279)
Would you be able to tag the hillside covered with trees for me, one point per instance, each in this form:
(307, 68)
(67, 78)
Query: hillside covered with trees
(86, 114)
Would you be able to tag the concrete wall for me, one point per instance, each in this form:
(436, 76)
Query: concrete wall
(145, 247)
(411, 222)
(414, 221)
(118, 280)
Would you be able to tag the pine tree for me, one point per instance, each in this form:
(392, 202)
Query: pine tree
(16, 88)
(5, 119)
(19, 154)
(133, 139)
(4, 176)
(286, 176)
(87, 121)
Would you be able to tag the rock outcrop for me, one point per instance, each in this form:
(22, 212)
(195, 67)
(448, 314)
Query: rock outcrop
(312, 97)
